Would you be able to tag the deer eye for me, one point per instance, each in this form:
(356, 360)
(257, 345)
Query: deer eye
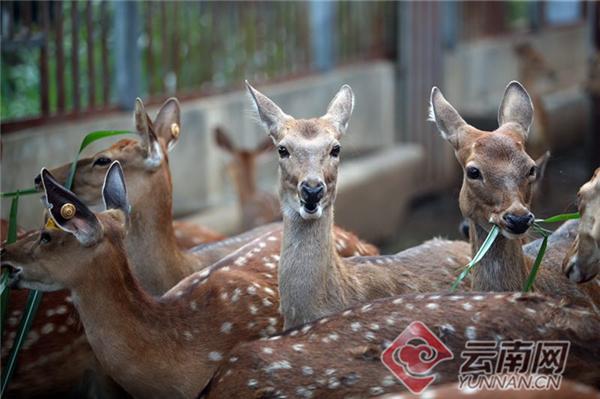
(102, 161)
(283, 152)
(335, 151)
(45, 237)
(473, 173)
(532, 172)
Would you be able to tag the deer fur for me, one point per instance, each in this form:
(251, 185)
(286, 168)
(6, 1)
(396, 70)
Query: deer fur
(256, 207)
(313, 280)
(582, 262)
(502, 186)
(339, 356)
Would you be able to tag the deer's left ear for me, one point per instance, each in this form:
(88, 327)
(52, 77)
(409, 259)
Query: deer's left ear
(114, 190)
(516, 107)
(69, 213)
(340, 108)
(168, 123)
(145, 128)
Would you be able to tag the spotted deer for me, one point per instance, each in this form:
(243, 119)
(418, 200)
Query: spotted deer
(151, 244)
(496, 191)
(582, 262)
(256, 207)
(340, 356)
(313, 280)
(182, 335)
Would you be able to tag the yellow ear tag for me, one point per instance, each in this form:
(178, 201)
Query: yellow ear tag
(67, 211)
(175, 130)
(50, 225)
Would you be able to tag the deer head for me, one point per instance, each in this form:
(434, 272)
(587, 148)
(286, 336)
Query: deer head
(498, 173)
(73, 230)
(309, 151)
(144, 162)
(582, 262)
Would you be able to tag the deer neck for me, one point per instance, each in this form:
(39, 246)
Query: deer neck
(310, 272)
(503, 268)
(122, 321)
(155, 258)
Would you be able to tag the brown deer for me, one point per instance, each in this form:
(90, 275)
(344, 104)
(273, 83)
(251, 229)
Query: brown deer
(496, 190)
(152, 246)
(256, 207)
(582, 262)
(340, 356)
(313, 280)
(181, 336)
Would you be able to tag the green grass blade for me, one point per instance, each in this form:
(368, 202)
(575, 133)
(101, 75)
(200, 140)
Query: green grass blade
(8, 369)
(559, 218)
(536, 265)
(11, 237)
(87, 140)
(27, 191)
(485, 247)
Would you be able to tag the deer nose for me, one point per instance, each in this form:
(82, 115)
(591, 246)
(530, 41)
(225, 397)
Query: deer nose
(518, 224)
(312, 193)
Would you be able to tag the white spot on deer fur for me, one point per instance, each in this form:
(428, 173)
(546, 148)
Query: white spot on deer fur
(530, 310)
(262, 244)
(306, 328)
(477, 298)
(266, 302)
(419, 297)
(252, 383)
(409, 306)
(224, 295)
(294, 333)
(347, 313)
(398, 301)
(32, 338)
(251, 290)
(432, 306)
(278, 365)
(215, 356)
(389, 321)
(272, 321)
(298, 347)
(366, 308)
(374, 327)
(369, 336)
(499, 296)
(470, 332)
(188, 335)
(271, 238)
(355, 326)
(236, 295)
(269, 291)
(195, 281)
(306, 370)
(270, 265)
(69, 299)
(225, 269)
(323, 320)
(204, 273)
(375, 391)
(12, 321)
(233, 359)
(448, 327)
(251, 325)
(467, 306)
(434, 297)
(267, 350)
(334, 336)
(455, 297)
(253, 309)
(226, 327)
(241, 261)
(193, 305)
(179, 293)
(47, 328)
(388, 381)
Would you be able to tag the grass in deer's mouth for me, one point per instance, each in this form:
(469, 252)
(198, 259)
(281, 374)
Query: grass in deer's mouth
(485, 247)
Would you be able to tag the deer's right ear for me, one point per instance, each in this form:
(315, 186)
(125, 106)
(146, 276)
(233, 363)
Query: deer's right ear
(450, 124)
(222, 139)
(69, 213)
(114, 190)
(271, 116)
(516, 107)
(143, 125)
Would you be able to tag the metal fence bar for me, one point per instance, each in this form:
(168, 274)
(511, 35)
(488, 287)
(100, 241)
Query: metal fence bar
(75, 56)
(60, 57)
(91, 70)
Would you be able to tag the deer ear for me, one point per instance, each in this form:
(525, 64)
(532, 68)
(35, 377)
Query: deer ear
(167, 123)
(340, 108)
(144, 127)
(114, 190)
(223, 141)
(541, 164)
(448, 121)
(69, 213)
(516, 107)
(271, 116)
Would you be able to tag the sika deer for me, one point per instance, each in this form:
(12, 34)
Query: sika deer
(582, 262)
(339, 357)
(164, 347)
(256, 207)
(313, 280)
(496, 190)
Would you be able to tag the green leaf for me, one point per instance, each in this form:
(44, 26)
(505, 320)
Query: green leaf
(87, 140)
(559, 218)
(11, 237)
(485, 247)
(27, 191)
(536, 265)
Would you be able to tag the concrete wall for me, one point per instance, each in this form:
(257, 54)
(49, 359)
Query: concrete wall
(197, 165)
